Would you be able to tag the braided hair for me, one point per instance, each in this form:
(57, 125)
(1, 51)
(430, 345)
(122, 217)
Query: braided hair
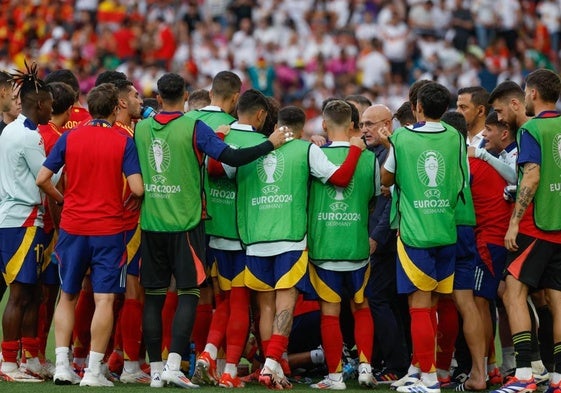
(29, 83)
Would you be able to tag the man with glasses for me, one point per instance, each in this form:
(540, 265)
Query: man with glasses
(389, 332)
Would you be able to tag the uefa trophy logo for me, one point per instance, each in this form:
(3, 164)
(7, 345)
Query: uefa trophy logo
(159, 155)
(270, 167)
(557, 150)
(430, 168)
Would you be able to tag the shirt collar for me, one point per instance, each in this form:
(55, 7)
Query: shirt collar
(242, 127)
(511, 147)
(27, 122)
(212, 108)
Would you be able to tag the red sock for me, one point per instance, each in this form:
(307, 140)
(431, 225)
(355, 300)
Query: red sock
(423, 337)
(29, 347)
(168, 312)
(446, 332)
(277, 345)
(118, 336)
(218, 298)
(332, 342)
(238, 324)
(203, 319)
(217, 330)
(131, 323)
(10, 350)
(85, 308)
(364, 334)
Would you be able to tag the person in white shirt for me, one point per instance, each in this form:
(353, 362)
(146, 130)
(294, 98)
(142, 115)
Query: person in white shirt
(473, 104)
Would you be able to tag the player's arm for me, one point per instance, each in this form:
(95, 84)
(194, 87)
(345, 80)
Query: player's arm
(131, 169)
(526, 191)
(530, 161)
(506, 171)
(214, 167)
(52, 165)
(388, 169)
(44, 182)
(326, 171)
(210, 144)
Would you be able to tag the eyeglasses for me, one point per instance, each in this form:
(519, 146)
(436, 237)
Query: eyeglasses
(369, 124)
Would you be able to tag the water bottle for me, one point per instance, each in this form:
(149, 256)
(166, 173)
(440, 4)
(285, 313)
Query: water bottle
(349, 370)
(147, 111)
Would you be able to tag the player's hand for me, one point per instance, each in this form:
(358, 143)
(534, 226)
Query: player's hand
(385, 191)
(280, 136)
(510, 237)
(358, 142)
(133, 203)
(223, 129)
(384, 134)
(509, 193)
(471, 151)
(318, 140)
(373, 245)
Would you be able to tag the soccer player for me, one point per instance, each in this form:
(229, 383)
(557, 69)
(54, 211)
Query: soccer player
(198, 99)
(7, 100)
(22, 239)
(85, 305)
(10, 105)
(63, 99)
(425, 162)
(91, 236)
(492, 214)
(224, 242)
(252, 111)
(274, 189)
(210, 329)
(533, 238)
(129, 321)
(337, 266)
(464, 282)
(171, 148)
(78, 114)
(508, 100)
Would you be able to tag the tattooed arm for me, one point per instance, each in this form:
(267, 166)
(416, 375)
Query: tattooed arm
(526, 191)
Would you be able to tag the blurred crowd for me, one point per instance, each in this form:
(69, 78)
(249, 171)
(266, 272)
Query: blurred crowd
(299, 51)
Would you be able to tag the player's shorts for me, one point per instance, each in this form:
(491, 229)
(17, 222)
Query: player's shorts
(491, 260)
(330, 286)
(466, 254)
(21, 254)
(286, 270)
(49, 269)
(230, 268)
(425, 269)
(132, 239)
(178, 253)
(536, 263)
(104, 255)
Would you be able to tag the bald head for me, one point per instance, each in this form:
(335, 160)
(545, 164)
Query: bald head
(374, 118)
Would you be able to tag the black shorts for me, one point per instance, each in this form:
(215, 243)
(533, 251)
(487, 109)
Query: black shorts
(178, 253)
(537, 263)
